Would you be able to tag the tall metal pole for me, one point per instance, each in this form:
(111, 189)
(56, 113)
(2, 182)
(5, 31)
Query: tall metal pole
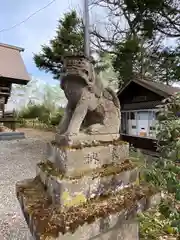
(86, 29)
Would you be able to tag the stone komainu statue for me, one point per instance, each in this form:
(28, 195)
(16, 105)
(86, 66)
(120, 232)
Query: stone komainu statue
(91, 108)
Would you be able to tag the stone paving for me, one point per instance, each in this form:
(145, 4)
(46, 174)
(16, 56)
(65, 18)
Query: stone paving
(18, 160)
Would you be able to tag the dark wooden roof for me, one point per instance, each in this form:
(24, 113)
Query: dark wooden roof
(156, 87)
(12, 67)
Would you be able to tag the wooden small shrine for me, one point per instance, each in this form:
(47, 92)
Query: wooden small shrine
(12, 71)
(139, 99)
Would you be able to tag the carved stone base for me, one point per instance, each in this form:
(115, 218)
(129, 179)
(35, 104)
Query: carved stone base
(68, 159)
(104, 230)
(83, 186)
(106, 218)
(83, 138)
(6, 136)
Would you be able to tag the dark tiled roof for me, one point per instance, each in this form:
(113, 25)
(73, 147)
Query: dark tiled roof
(159, 88)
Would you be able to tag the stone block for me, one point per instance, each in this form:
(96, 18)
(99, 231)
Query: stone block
(47, 223)
(83, 138)
(121, 225)
(6, 136)
(105, 229)
(67, 192)
(70, 159)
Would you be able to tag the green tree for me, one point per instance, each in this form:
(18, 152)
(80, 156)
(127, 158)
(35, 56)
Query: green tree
(165, 172)
(133, 44)
(158, 63)
(150, 17)
(133, 57)
(68, 39)
(105, 70)
(32, 111)
(124, 61)
(145, 18)
(166, 65)
(145, 23)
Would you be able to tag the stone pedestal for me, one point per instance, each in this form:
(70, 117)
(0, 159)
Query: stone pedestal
(85, 139)
(6, 136)
(67, 191)
(85, 191)
(86, 156)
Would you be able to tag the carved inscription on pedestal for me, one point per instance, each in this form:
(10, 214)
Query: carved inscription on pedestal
(62, 155)
(92, 158)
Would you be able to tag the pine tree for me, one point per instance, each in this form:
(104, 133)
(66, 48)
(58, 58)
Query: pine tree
(68, 39)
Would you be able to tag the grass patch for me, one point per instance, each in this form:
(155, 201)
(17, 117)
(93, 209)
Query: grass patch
(154, 226)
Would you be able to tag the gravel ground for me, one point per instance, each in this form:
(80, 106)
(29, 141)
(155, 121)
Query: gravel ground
(18, 160)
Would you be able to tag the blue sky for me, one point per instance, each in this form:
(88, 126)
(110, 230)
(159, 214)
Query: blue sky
(36, 31)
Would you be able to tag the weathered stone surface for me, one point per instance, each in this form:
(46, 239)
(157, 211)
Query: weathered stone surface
(87, 138)
(91, 108)
(70, 159)
(67, 192)
(44, 224)
(84, 139)
(6, 136)
(103, 229)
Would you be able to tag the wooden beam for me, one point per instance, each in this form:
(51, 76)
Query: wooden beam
(8, 120)
(2, 100)
(2, 105)
(140, 105)
(4, 94)
(5, 88)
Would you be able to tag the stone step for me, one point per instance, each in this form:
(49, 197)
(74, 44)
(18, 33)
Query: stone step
(6, 136)
(67, 159)
(102, 218)
(87, 139)
(88, 184)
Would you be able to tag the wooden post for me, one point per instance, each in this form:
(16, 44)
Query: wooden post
(3, 110)
(2, 106)
(14, 121)
(86, 29)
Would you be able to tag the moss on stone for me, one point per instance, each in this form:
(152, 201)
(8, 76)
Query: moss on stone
(49, 168)
(50, 220)
(104, 171)
(93, 144)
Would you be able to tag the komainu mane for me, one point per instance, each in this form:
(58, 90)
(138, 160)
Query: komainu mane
(91, 108)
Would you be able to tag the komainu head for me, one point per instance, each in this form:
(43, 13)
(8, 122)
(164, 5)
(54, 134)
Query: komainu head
(81, 69)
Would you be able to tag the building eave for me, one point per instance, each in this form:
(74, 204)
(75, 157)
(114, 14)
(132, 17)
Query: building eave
(147, 86)
(15, 80)
(12, 47)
